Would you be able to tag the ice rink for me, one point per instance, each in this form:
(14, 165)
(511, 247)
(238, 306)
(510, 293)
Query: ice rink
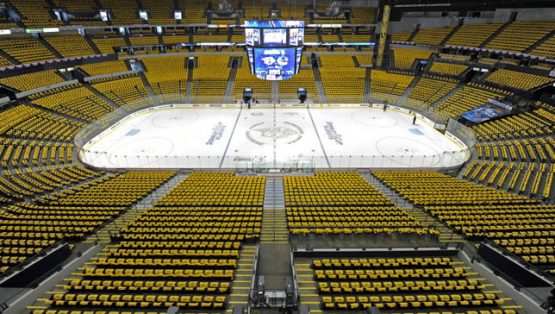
(272, 138)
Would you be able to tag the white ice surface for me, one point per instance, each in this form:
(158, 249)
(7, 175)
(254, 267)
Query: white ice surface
(164, 138)
(278, 138)
(271, 138)
(374, 138)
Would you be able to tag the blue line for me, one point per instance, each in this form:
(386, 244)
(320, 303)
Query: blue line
(230, 138)
(318, 135)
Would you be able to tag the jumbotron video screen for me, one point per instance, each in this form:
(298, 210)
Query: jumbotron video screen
(274, 48)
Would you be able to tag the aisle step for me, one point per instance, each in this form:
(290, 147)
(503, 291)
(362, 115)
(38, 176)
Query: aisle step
(242, 282)
(103, 234)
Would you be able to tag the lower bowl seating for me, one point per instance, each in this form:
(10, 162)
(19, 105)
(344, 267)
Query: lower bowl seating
(437, 284)
(183, 252)
(189, 239)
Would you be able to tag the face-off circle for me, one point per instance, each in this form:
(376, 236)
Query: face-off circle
(291, 114)
(408, 152)
(265, 133)
(176, 119)
(374, 118)
(138, 153)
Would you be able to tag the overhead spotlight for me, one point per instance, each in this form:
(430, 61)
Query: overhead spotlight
(143, 15)
(105, 15)
(301, 93)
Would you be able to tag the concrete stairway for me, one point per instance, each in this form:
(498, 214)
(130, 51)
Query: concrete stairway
(39, 195)
(102, 96)
(308, 288)
(273, 194)
(102, 245)
(274, 262)
(49, 47)
(319, 86)
(414, 32)
(103, 235)
(446, 235)
(385, 190)
(9, 58)
(55, 113)
(420, 215)
(274, 227)
(541, 41)
(447, 96)
(367, 86)
(401, 100)
(497, 32)
(244, 275)
(451, 33)
(148, 88)
(190, 85)
(127, 41)
(228, 94)
(92, 45)
(274, 220)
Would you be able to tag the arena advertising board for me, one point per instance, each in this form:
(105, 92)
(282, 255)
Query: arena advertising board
(492, 110)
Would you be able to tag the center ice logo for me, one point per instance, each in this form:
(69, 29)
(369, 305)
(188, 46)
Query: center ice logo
(276, 132)
(266, 133)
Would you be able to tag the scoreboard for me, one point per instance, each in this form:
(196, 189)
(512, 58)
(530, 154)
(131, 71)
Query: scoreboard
(274, 48)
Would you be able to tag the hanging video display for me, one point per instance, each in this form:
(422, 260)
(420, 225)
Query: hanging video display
(274, 63)
(274, 33)
(274, 48)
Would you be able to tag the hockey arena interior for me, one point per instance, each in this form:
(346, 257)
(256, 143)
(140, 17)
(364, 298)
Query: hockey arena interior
(302, 156)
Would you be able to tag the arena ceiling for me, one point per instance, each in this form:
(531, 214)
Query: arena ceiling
(475, 5)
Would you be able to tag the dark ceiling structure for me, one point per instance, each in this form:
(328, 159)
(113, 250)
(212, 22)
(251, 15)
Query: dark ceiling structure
(475, 5)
